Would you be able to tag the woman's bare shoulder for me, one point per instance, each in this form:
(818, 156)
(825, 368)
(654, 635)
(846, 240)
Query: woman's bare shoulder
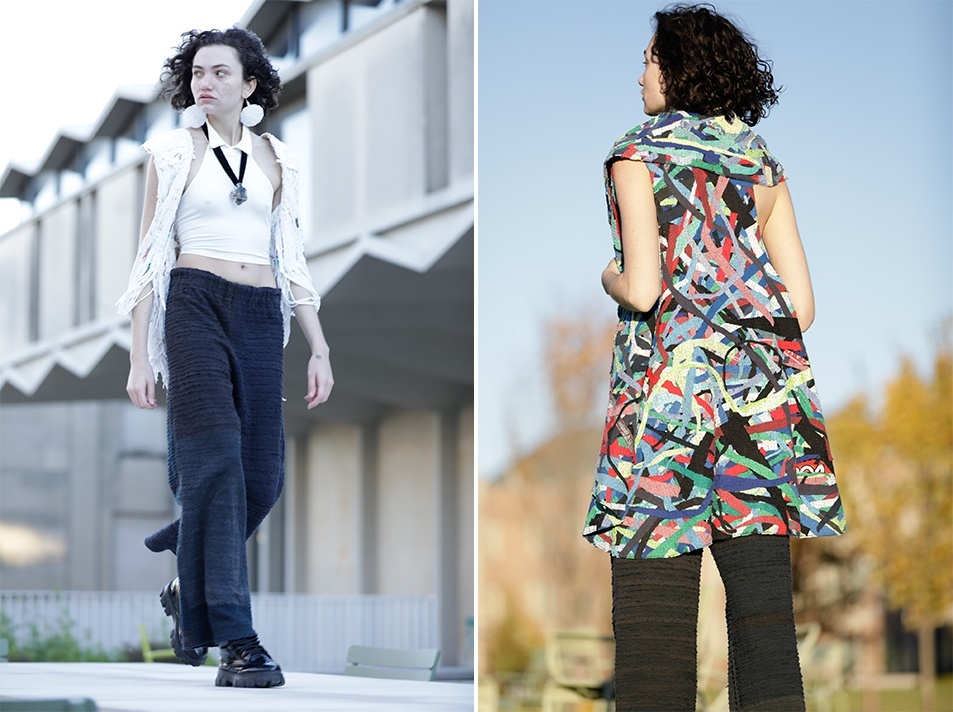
(264, 147)
(199, 140)
(767, 197)
(265, 156)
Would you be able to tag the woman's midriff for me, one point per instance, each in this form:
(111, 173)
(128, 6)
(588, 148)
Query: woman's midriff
(238, 272)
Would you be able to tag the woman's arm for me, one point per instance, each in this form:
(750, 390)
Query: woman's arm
(783, 242)
(141, 385)
(320, 378)
(638, 286)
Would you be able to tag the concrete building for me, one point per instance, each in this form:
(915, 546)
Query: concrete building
(378, 107)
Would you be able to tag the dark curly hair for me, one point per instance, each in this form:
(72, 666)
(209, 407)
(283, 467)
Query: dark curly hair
(709, 66)
(177, 71)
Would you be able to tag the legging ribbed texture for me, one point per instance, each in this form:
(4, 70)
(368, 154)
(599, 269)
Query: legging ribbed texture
(655, 616)
(226, 443)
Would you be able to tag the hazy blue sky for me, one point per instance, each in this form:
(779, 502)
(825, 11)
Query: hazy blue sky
(863, 130)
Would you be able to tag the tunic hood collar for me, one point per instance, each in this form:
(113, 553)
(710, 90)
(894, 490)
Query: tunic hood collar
(712, 143)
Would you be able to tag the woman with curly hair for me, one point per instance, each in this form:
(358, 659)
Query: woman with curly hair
(219, 273)
(714, 435)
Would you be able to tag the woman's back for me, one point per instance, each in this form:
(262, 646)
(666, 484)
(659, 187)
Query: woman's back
(704, 171)
(713, 401)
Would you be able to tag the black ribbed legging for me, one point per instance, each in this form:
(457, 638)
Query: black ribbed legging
(655, 619)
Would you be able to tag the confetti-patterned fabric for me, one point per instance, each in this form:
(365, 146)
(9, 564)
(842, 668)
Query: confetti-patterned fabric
(714, 429)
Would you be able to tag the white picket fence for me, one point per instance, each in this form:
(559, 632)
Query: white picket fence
(303, 632)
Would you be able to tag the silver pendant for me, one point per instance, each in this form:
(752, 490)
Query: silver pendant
(239, 195)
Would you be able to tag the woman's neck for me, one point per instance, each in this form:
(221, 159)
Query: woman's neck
(229, 129)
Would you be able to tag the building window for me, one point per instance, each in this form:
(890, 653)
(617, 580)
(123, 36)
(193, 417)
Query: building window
(321, 25)
(359, 12)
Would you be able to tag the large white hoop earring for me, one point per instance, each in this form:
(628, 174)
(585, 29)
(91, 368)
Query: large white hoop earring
(251, 115)
(193, 117)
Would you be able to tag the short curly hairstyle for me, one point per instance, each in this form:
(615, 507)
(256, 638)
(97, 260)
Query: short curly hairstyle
(176, 76)
(709, 66)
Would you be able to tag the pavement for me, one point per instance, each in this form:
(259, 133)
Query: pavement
(158, 687)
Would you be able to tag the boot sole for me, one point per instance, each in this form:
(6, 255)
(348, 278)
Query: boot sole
(264, 678)
(165, 598)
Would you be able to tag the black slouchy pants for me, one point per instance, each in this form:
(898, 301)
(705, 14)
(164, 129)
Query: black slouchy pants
(655, 616)
(226, 443)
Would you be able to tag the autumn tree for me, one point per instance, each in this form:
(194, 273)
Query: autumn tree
(896, 470)
(577, 353)
(535, 567)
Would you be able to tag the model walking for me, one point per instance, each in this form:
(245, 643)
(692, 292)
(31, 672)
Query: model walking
(714, 432)
(219, 273)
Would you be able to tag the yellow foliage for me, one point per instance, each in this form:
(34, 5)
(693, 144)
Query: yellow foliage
(537, 573)
(895, 470)
(514, 640)
(578, 352)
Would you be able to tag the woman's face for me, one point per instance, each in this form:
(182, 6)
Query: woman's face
(653, 96)
(218, 86)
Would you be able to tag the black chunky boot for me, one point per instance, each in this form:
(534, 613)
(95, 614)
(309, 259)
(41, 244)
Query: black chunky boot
(246, 664)
(169, 597)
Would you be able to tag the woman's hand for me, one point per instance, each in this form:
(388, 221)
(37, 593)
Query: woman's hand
(141, 385)
(320, 380)
(610, 274)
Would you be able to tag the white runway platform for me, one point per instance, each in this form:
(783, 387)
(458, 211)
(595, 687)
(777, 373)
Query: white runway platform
(157, 687)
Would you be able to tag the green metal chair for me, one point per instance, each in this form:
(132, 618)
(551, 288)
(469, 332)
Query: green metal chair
(148, 654)
(579, 664)
(391, 663)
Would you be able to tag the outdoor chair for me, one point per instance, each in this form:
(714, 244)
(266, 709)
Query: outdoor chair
(579, 664)
(150, 655)
(391, 663)
(822, 665)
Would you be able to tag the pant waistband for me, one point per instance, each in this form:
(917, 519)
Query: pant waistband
(222, 288)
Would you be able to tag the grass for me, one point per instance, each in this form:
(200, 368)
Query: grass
(515, 699)
(906, 700)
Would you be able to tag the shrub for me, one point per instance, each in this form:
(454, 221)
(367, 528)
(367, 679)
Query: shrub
(57, 643)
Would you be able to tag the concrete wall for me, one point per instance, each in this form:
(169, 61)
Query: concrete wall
(381, 127)
(387, 508)
(16, 287)
(334, 530)
(117, 208)
(465, 561)
(57, 295)
(72, 264)
(405, 503)
(460, 98)
(82, 484)
(368, 508)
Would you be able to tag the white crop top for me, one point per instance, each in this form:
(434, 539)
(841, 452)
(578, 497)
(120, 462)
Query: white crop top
(209, 224)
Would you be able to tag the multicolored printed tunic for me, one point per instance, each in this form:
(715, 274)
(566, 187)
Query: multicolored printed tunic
(714, 429)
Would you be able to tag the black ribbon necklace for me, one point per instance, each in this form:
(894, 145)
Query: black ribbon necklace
(239, 195)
